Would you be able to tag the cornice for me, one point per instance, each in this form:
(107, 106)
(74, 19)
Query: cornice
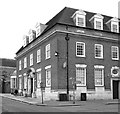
(79, 32)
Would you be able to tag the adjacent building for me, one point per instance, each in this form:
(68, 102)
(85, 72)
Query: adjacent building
(75, 46)
(7, 67)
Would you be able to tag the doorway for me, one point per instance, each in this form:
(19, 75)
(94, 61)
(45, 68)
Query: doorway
(115, 89)
(31, 85)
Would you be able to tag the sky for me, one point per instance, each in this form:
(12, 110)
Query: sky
(18, 16)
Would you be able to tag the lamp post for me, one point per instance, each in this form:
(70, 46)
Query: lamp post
(67, 67)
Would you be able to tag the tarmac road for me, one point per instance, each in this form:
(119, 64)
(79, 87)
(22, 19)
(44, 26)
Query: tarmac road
(10, 105)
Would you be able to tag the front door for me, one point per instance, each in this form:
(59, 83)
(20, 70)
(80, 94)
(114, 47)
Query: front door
(115, 89)
(31, 85)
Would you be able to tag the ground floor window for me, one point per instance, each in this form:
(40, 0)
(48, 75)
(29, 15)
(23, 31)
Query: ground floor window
(25, 82)
(13, 82)
(38, 78)
(20, 82)
(81, 74)
(99, 75)
(48, 76)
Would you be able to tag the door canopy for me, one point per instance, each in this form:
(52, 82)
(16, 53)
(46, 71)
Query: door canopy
(31, 72)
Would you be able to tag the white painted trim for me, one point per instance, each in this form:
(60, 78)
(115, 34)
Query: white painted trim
(40, 40)
(13, 77)
(81, 65)
(117, 52)
(49, 66)
(98, 66)
(25, 62)
(83, 50)
(20, 76)
(38, 70)
(47, 47)
(101, 51)
(31, 58)
(39, 55)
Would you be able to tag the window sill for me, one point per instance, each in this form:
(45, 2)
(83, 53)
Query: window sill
(115, 59)
(80, 56)
(98, 57)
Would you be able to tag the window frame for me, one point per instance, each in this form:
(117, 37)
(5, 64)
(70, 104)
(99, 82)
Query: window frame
(48, 69)
(82, 66)
(31, 59)
(117, 52)
(25, 62)
(47, 51)
(38, 55)
(95, 23)
(113, 22)
(101, 54)
(20, 82)
(39, 80)
(80, 17)
(83, 49)
(96, 67)
(20, 65)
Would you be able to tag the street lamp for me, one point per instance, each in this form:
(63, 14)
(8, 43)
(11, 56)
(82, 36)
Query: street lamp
(67, 39)
(66, 63)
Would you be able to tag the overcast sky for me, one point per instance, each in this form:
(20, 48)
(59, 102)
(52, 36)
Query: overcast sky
(18, 16)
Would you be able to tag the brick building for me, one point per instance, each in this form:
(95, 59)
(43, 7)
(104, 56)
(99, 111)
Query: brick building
(74, 44)
(7, 67)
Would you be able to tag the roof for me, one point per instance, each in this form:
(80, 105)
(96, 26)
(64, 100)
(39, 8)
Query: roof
(8, 62)
(64, 17)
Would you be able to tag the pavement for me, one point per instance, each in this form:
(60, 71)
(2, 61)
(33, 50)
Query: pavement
(54, 103)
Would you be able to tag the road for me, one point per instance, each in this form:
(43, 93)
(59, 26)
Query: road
(9, 105)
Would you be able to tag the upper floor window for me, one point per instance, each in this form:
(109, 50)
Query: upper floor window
(20, 65)
(97, 20)
(80, 49)
(115, 52)
(81, 74)
(25, 62)
(47, 51)
(98, 51)
(114, 28)
(99, 75)
(79, 18)
(98, 25)
(31, 59)
(38, 31)
(32, 35)
(38, 55)
(113, 24)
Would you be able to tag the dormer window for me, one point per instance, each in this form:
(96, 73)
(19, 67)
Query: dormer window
(25, 40)
(39, 28)
(98, 25)
(79, 18)
(32, 35)
(114, 28)
(97, 21)
(113, 24)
